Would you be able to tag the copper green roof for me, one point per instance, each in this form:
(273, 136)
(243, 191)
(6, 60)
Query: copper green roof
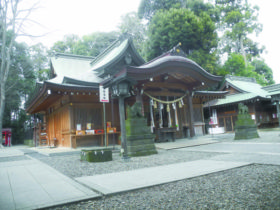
(236, 98)
(107, 62)
(74, 68)
(273, 89)
(70, 65)
(245, 85)
(248, 88)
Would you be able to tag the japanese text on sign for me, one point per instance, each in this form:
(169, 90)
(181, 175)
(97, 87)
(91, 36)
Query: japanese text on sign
(103, 94)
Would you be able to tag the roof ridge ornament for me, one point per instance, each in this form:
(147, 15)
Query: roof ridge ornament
(177, 50)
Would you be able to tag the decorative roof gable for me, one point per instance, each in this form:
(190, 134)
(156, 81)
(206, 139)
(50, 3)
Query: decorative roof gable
(119, 54)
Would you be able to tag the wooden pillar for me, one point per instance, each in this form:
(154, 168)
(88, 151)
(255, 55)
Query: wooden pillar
(34, 126)
(72, 138)
(71, 119)
(190, 111)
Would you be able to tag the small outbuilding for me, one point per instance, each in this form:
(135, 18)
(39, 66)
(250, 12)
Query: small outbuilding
(262, 103)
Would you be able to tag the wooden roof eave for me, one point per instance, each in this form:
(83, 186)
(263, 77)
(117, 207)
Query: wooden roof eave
(234, 103)
(184, 68)
(72, 81)
(210, 94)
(42, 96)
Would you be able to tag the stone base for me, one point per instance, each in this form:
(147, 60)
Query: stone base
(97, 155)
(141, 145)
(246, 132)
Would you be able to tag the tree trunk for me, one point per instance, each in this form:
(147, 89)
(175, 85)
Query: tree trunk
(243, 51)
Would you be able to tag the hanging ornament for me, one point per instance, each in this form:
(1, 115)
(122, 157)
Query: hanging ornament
(167, 108)
(155, 104)
(180, 104)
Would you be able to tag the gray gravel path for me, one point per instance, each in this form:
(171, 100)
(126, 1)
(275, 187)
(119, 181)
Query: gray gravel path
(250, 187)
(255, 186)
(72, 166)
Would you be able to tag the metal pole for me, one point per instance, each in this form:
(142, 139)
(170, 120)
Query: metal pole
(105, 127)
(34, 130)
(278, 111)
(123, 129)
(210, 115)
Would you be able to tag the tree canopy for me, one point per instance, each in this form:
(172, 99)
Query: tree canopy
(88, 45)
(148, 8)
(238, 20)
(196, 34)
(132, 24)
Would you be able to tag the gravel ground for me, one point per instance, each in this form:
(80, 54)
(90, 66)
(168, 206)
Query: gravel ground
(250, 187)
(72, 166)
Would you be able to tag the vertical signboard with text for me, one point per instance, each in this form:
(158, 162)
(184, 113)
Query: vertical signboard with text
(103, 94)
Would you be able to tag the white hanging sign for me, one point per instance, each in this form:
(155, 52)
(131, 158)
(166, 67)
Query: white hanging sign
(103, 94)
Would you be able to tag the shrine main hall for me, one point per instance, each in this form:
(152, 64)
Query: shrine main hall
(171, 89)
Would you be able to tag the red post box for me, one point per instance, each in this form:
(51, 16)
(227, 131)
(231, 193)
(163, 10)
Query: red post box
(7, 136)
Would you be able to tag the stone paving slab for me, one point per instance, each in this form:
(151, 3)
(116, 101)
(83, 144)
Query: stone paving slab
(267, 158)
(7, 152)
(31, 184)
(181, 143)
(147, 177)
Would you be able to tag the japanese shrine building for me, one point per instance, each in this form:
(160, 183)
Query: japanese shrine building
(262, 103)
(171, 88)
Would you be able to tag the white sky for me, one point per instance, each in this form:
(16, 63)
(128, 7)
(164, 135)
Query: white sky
(61, 17)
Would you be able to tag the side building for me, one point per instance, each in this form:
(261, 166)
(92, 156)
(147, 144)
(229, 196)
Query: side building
(262, 104)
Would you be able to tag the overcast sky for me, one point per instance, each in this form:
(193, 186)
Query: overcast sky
(60, 17)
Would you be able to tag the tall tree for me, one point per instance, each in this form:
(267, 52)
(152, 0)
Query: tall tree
(196, 34)
(131, 24)
(12, 19)
(93, 44)
(238, 20)
(88, 45)
(148, 8)
(235, 65)
(67, 45)
(198, 6)
(38, 55)
(20, 83)
(263, 69)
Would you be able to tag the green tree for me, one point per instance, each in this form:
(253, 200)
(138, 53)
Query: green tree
(131, 24)
(95, 43)
(199, 6)
(196, 34)
(235, 65)
(238, 20)
(20, 83)
(88, 45)
(263, 69)
(148, 8)
(12, 19)
(38, 55)
(68, 45)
